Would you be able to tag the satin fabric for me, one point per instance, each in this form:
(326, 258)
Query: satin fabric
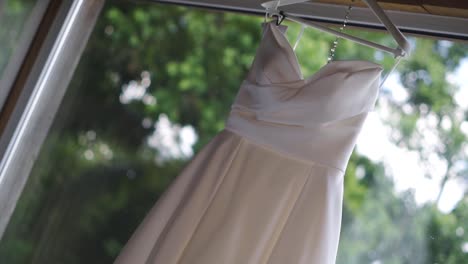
(267, 189)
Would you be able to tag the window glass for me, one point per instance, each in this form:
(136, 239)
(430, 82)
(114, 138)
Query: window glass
(14, 15)
(155, 84)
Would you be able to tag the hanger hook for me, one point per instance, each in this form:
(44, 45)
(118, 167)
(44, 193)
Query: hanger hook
(274, 12)
(279, 17)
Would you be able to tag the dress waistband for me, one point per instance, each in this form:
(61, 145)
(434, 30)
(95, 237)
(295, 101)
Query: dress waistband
(327, 145)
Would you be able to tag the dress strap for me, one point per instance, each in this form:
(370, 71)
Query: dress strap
(299, 36)
(397, 61)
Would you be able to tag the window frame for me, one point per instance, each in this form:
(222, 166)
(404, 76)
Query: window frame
(17, 57)
(410, 23)
(36, 94)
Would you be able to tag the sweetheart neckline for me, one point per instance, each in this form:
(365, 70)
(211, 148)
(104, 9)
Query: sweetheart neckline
(313, 76)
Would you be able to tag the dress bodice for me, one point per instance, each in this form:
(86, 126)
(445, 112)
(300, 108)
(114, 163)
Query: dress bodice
(315, 119)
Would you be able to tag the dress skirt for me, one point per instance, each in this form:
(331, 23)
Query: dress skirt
(238, 202)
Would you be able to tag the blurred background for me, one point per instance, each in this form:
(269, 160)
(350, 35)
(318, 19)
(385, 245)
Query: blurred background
(155, 84)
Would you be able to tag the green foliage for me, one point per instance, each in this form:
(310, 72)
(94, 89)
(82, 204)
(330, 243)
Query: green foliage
(384, 228)
(448, 235)
(424, 75)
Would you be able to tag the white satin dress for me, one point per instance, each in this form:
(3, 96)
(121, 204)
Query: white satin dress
(268, 189)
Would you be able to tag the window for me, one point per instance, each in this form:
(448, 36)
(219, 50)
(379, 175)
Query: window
(20, 19)
(155, 84)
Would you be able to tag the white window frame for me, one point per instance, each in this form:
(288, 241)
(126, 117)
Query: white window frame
(42, 91)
